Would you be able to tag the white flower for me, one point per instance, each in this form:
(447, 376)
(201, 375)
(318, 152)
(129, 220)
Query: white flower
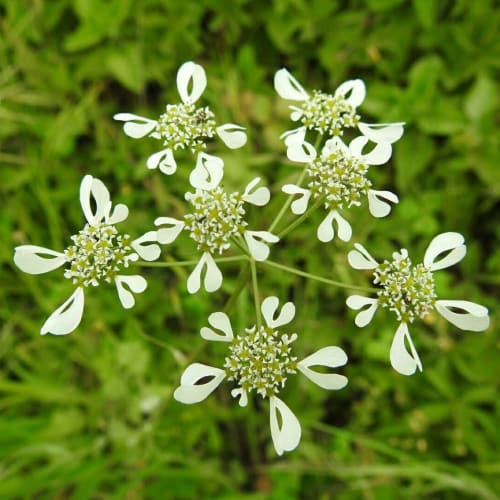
(327, 114)
(261, 360)
(216, 221)
(338, 178)
(330, 114)
(98, 253)
(408, 290)
(182, 125)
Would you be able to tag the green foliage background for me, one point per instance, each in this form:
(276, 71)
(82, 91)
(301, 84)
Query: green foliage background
(91, 415)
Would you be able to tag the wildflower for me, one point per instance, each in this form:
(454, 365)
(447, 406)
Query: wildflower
(217, 220)
(183, 125)
(260, 360)
(408, 290)
(98, 254)
(338, 178)
(330, 114)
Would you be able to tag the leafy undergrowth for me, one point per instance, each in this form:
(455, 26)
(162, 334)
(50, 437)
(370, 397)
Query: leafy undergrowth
(91, 415)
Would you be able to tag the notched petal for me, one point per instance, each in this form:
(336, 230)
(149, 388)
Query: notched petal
(219, 321)
(33, 259)
(445, 242)
(232, 135)
(257, 242)
(269, 307)
(67, 317)
(191, 390)
(376, 205)
(287, 436)
(164, 160)
(360, 258)
(473, 318)
(288, 87)
(357, 302)
(331, 357)
(126, 286)
(403, 361)
(191, 82)
(147, 251)
(258, 197)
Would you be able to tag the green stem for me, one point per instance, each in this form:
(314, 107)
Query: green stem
(181, 263)
(292, 270)
(300, 219)
(287, 203)
(244, 275)
(255, 287)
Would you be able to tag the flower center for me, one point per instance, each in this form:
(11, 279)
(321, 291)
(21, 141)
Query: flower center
(338, 178)
(217, 216)
(260, 360)
(328, 114)
(407, 290)
(183, 126)
(98, 253)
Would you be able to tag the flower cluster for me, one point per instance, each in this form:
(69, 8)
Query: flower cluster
(408, 291)
(260, 359)
(98, 254)
(214, 224)
(183, 125)
(334, 178)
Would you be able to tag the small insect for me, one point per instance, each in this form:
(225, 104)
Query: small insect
(200, 117)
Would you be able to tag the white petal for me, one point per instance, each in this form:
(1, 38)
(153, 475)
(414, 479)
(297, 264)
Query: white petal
(219, 321)
(191, 74)
(377, 207)
(91, 186)
(330, 356)
(232, 135)
(189, 391)
(344, 229)
(66, 317)
(242, 394)
(207, 173)
(354, 90)
(126, 286)
(147, 252)
(135, 126)
(168, 234)
(295, 135)
(474, 319)
(259, 197)
(164, 160)
(325, 231)
(360, 258)
(213, 276)
(270, 306)
(403, 361)
(287, 437)
(119, 214)
(33, 259)
(334, 145)
(258, 249)
(296, 113)
(301, 152)
(379, 155)
(288, 87)
(445, 242)
(298, 206)
(357, 302)
(382, 132)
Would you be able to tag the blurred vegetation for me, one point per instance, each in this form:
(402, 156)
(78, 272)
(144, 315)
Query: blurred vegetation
(91, 415)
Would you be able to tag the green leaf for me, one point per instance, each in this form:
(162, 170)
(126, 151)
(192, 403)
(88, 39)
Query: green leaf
(413, 154)
(482, 98)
